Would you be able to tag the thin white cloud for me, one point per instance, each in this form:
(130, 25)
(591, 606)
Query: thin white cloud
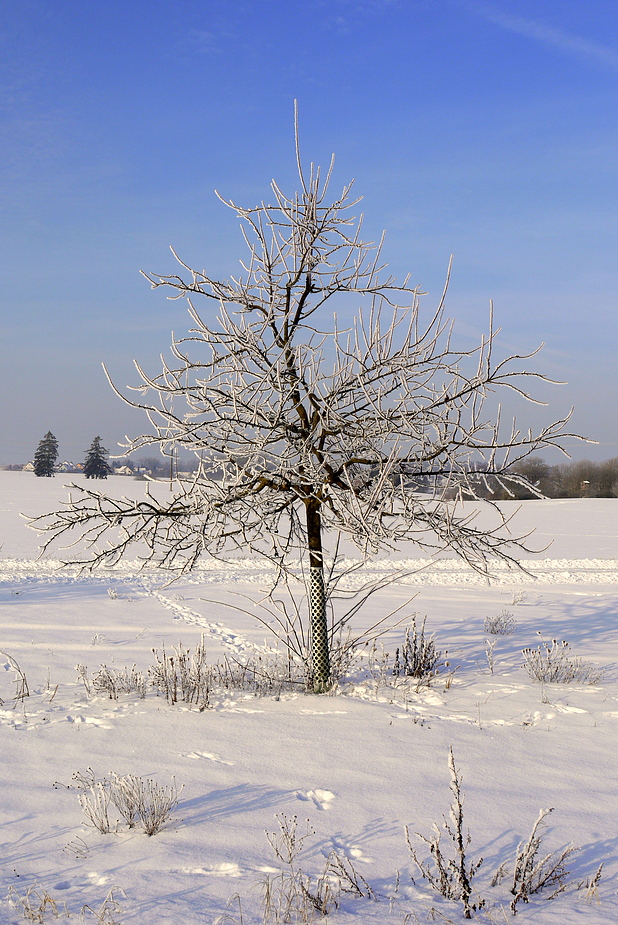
(547, 35)
(202, 41)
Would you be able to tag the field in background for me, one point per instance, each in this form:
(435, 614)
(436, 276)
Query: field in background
(359, 765)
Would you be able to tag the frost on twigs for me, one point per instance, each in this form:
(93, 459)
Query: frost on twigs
(184, 675)
(317, 395)
(95, 802)
(33, 904)
(291, 895)
(139, 801)
(501, 625)
(418, 657)
(553, 663)
(450, 876)
(36, 902)
(590, 885)
(287, 842)
(350, 880)
(112, 681)
(22, 689)
(536, 872)
(155, 804)
(282, 612)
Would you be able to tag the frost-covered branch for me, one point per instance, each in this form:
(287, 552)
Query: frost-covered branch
(302, 423)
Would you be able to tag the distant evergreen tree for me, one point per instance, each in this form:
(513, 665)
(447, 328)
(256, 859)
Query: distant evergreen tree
(96, 465)
(46, 455)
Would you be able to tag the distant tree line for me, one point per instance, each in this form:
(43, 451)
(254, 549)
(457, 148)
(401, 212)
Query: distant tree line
(96, 464)
(583, 479)
(155, 466)
(532, 477)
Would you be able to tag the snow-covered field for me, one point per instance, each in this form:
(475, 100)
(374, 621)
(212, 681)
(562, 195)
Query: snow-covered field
(359, 765)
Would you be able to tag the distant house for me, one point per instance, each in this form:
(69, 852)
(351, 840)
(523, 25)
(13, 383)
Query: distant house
(123, 470)
(29, 467)
(67, 466)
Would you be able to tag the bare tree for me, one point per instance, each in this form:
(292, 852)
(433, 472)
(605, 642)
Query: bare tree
(303, 423)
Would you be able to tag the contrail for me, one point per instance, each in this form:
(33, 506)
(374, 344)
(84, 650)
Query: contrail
(545, 34)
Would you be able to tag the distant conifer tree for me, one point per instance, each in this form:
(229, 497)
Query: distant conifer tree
(46, 455)
(96, 465)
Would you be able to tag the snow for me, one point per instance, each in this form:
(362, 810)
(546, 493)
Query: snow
(359, 764)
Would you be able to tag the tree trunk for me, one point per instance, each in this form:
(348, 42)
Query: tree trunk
(317, 600)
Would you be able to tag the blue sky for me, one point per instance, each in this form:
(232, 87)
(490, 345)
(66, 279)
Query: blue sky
(483, 129)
